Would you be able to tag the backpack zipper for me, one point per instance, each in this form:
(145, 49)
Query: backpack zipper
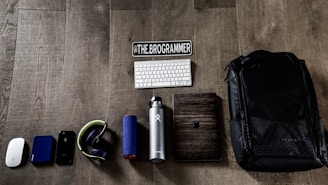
(319, 146)
(243, 115)
(245, 129)
(243, 122)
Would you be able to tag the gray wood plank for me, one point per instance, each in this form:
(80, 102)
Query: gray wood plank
(43, 4)
(261, 25)
(308, 20)
(84, 92)
(201, 4)
(8, 30)
(173, 20)
(306, 28)
(285, 26)
(131, 5)
(216, 46)
(33, 108)
(123, 97)
(71, 70)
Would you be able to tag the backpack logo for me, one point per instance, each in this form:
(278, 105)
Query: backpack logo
(292, 139)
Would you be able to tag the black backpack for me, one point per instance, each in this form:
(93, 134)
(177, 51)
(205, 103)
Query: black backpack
(274, 118)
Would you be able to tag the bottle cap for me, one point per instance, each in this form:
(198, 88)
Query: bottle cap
(155, 99)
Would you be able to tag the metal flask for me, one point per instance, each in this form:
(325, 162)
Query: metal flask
(156, 130)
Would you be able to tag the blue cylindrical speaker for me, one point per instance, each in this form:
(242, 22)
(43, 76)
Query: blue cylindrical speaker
(130, 137)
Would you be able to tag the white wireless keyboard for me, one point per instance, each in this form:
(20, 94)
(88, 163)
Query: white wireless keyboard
(162, 73)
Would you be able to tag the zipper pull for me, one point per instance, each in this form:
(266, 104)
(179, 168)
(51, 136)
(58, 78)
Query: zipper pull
(242, 115)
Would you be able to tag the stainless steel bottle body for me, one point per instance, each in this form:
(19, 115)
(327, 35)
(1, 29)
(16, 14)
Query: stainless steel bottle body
(156, 131)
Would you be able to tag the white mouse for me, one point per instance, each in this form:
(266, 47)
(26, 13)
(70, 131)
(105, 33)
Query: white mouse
(15, 152)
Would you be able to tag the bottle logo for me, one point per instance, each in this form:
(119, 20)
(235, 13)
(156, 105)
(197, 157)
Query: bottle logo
(158, 117)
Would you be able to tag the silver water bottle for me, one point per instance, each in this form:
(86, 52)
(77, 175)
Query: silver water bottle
(156, 130)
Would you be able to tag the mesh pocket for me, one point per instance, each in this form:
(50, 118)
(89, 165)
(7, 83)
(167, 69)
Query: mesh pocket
(280, 139)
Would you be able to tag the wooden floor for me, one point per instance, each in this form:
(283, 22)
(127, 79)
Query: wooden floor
(66, 62)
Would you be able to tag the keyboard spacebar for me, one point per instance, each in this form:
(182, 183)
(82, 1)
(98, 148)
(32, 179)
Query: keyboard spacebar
(161, 84)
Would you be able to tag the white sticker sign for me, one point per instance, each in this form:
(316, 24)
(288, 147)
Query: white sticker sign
(161, 48)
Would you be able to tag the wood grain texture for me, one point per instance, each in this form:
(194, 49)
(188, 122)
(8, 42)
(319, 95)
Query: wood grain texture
(123, 97)
(37, 76)
(196, 127)
(71, 62)
(200, 4)
(309, 20)
(172, 20)
(43, 4)
(8, 30)
(84, 93)
(217, 43)
(288, 26)
(131, 5)
(261, 25)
